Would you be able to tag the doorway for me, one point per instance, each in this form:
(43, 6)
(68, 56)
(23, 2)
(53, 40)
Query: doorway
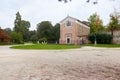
(68, 40)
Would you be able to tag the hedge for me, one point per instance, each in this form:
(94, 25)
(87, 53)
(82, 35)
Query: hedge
(101, 38)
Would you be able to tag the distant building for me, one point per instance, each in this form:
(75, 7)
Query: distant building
(3, 36)
(73, 31)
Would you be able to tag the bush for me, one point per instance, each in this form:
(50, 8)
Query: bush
(43, 39)
(34, 38)
(101, 38)
(16, 37)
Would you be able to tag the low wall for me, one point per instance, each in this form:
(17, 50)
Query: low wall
(116, 37)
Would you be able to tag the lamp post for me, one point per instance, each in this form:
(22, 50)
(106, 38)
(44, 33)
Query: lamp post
(95, 42)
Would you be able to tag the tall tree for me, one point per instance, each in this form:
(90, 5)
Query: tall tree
(113, 24)
(17, 23)
(44, 30)
(96, 24)
(25, 30)
(56, 32)
(22, 27)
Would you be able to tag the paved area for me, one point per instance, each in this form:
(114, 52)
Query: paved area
(86, 63)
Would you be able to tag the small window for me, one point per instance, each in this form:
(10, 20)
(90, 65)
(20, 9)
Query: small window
(68, 23)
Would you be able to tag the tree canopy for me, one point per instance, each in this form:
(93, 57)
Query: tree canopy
(56, 32)
(96, 24)
(44, 30)
(22, 27)
(114, 23)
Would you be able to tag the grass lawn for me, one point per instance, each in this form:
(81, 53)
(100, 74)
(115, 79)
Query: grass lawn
(46, 46)
(3, 43)
(104, 45)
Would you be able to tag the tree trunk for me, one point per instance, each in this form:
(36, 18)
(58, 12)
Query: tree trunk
(112, 32)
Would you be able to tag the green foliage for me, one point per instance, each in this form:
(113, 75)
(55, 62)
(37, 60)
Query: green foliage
(25, 30)
(16, 37)
(43, 39)
(96, 24)
(17, 23)
(101, 38)
(56, 32)
(44, 29)
(34, 38)
(113, 24)
(22, 26)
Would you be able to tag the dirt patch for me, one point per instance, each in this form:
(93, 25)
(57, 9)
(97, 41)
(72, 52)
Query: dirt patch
(78, 64)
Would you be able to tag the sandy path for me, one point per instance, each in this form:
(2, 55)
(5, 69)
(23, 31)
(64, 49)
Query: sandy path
(79, 64)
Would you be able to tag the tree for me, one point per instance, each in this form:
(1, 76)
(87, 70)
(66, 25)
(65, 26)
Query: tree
(114, 23)
(7, 30)
(34, 38)
(16, 37)
(56, 32)
(22, 26)
(3, 36)
(25, 30)
(18, 23)
(96, 24)
(44, 30)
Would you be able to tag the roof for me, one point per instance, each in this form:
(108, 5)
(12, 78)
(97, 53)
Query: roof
(83, 22)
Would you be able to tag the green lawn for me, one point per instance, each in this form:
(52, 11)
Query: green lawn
(3, 43)
(45, 46)
(104, 45)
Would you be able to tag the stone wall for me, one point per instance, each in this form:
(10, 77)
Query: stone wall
(116, 37)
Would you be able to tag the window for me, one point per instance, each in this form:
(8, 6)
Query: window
(68, 23)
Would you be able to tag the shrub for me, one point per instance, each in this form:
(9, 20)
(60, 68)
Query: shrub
(43, 39)
(34, 38)
(101, 38)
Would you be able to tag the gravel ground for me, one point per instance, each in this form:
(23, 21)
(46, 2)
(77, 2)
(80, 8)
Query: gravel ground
(86, 63)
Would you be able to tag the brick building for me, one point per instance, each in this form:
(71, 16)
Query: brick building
(73, 31)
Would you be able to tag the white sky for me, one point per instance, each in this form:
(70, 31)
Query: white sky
(36, 11)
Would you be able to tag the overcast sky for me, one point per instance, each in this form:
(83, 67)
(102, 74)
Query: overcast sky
(36, 11)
